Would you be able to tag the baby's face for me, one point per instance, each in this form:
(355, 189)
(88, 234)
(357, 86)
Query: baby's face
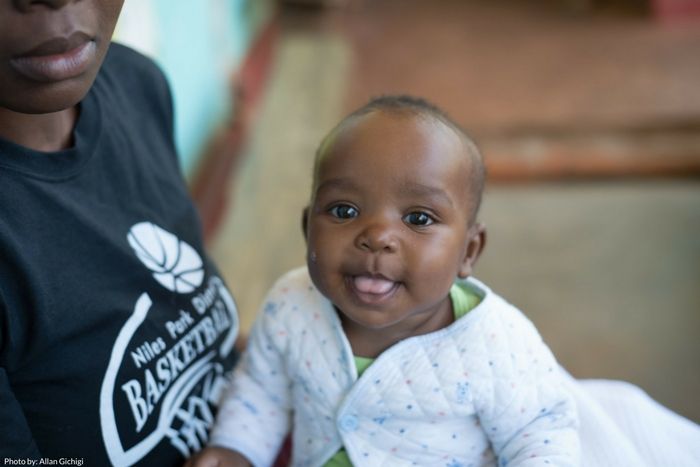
(51, 51)
(388, 227)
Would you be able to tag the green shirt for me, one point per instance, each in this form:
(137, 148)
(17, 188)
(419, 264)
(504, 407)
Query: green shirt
(463, 300)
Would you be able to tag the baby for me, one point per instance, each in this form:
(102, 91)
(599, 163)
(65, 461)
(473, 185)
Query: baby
(383, 350)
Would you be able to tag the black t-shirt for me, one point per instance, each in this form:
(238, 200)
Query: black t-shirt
(116, 332)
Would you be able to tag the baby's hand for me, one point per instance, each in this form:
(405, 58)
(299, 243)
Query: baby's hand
(217, 457)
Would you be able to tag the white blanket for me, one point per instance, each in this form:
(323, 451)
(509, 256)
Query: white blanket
(620, 425)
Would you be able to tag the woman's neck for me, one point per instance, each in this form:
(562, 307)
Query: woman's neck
(42, 132)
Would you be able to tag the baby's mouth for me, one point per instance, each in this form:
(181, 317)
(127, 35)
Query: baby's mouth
(373, 285)
(372, 289)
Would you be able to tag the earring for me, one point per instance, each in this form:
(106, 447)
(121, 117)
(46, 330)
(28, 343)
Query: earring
(312, 256)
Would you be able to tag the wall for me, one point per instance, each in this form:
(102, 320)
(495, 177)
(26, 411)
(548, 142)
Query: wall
(199, 45)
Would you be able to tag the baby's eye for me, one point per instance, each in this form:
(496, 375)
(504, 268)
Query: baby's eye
(343, 211)
(418, 218)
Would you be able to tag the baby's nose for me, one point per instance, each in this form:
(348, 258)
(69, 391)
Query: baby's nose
(378, 237)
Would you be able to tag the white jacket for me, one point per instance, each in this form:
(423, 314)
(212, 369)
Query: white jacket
(484, 386)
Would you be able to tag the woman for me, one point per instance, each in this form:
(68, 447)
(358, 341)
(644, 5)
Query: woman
(115, 329)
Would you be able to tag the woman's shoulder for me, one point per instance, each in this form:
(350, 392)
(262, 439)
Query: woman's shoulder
(132, 87)
(126, 62)
(127, 76)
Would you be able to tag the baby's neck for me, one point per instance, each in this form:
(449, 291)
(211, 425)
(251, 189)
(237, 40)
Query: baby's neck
(370, 343)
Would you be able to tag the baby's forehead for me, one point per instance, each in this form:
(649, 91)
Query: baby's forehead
(379, 128)
(387, 147)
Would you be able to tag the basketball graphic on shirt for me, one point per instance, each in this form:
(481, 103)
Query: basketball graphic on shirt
(175, 264)
(168, 364)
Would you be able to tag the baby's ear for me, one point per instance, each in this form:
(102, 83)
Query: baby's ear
(305, 222)
(476, 241)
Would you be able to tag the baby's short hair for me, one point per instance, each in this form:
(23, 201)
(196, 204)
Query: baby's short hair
(402, 103)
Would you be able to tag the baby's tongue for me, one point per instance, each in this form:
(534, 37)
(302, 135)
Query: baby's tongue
(372, 285)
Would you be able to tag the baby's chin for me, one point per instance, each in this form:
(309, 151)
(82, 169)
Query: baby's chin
(368, 319)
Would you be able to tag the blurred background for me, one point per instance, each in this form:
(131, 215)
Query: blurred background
(587, 112)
